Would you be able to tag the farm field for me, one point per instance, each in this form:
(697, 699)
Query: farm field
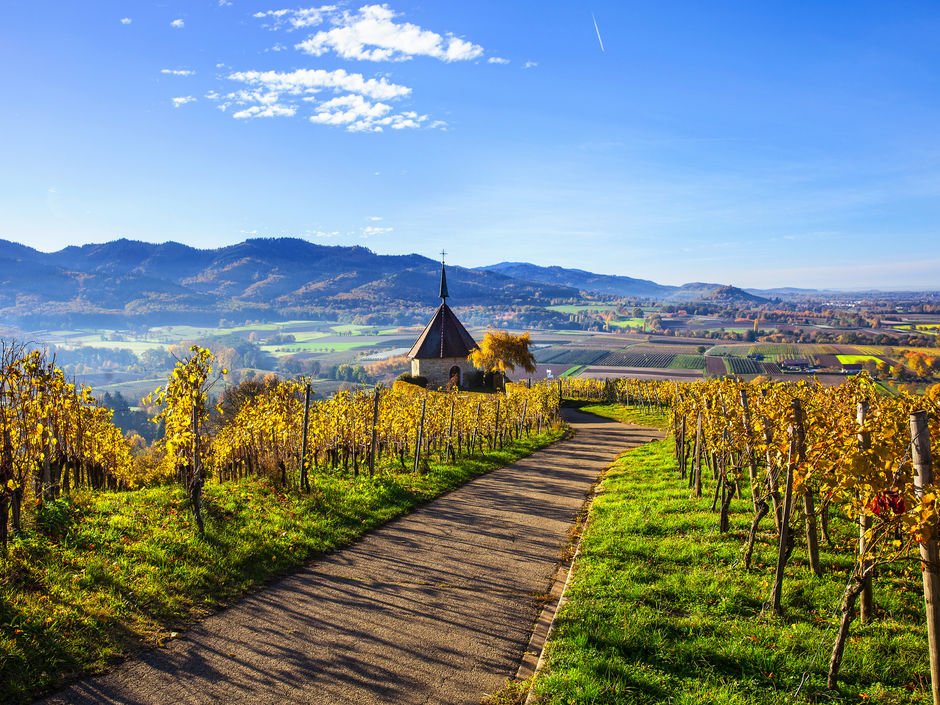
(715, 366)
(577, 308)
(569, 355)
(684, 361)
(628, 358)
(855, 359)
(742, 366)
(598, 372)
(331, 344)
(627, 323)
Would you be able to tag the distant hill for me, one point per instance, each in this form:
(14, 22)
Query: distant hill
(734, 295)
(258, 278)
(584, 281)
(715, 294)
(693, 291)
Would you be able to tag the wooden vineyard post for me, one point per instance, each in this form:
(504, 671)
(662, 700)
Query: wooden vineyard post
(864, 523)
(476, 428)
(373, 445)
(783, 546)
(419, 436)
(304, 482)
(772, 474)
(923, 480)
(449, 450)
(195, 483)
(812, 534)
(697, 466)
(809, 510)
(496, 438)
(749, 449)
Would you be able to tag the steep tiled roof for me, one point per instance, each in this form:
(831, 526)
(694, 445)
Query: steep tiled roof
(444, 336)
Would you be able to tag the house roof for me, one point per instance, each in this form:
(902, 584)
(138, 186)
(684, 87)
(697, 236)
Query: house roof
(444, 336)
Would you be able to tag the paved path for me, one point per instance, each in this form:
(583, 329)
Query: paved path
(435, 607)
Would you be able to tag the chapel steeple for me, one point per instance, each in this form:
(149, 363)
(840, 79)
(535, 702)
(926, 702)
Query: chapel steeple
(443, 293)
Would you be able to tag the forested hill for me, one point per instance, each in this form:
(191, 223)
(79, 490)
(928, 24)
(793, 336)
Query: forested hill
(582, 280)
(125, 279)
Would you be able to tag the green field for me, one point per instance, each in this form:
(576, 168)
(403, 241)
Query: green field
(931, 328)
(855, 359)
(577, 308)
(688, 362)
(627, 323)
(135, 346)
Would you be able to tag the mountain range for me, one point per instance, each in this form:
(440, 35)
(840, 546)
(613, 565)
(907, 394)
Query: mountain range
(267, 278)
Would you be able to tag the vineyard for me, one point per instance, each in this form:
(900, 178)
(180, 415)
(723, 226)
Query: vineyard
(742, 366)
(57, 438)
(688, 362)
(627, 358)
(112, 541)
(840, 466)
(569, 356)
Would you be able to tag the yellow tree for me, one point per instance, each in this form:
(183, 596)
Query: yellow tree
(502, 352)
(185, 408)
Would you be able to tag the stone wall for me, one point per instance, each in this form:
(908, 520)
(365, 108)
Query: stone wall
(437, 370)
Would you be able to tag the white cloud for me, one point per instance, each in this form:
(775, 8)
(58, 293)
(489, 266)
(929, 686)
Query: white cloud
(340, 98)
(497, 60)
(225, 3)
(310, 81)
(321, 233)
(371, 34)
(296, 19)
(177, 24)
(347, 109)
(530, 64)
(126, 20)
(183, 100)
(372, 231)
(268, 110)
(375, 218)
(357, 114)
(178, 72)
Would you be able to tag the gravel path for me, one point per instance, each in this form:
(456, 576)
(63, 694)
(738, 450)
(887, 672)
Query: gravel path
(435, 607)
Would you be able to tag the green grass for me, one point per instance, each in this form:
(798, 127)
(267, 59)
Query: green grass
(660, 610)
(572, 371)
(854, 359)
(621, 412)
(123, 571)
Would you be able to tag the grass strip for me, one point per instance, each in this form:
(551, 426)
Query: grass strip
(622, 413)
(113, 573)
(572, 371)
(660, 610)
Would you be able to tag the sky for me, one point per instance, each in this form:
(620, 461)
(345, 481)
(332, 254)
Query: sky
(759, 144)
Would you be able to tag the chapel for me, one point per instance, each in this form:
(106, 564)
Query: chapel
(440, 352)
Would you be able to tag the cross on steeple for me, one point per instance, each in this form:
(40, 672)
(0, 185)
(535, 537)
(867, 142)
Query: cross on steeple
(443, 293)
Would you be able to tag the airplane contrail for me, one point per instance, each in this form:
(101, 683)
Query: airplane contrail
(598, 32)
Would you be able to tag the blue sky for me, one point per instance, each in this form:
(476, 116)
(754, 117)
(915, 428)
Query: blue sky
(760, 144)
